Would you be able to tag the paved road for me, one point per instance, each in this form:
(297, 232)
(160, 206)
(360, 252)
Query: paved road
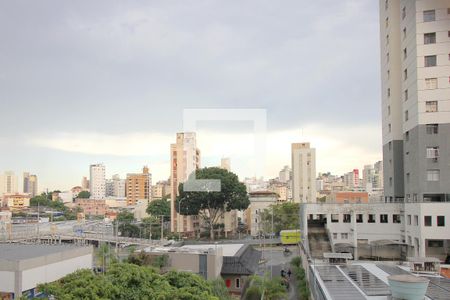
(275, 262)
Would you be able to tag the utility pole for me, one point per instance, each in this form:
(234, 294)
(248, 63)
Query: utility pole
(271, 249)
(162, 227)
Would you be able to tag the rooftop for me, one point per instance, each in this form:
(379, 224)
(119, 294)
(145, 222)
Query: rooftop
(369, 280)
(227, 249)
(16, 252)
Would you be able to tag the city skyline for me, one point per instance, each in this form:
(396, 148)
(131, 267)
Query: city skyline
(119, 98)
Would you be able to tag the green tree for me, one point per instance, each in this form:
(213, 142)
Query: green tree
(160, 207)
(84, 195)
(40, 200)
(128, 281)
(209, 205)
(285, 216)
(272, 289)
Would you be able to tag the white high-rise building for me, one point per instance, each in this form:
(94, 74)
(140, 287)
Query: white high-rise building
(415, 69)
(303, 173)
(8, 183)
(97, 181)
(285, 174)
(185, 158)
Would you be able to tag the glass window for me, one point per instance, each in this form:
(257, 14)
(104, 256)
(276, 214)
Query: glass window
(406, 116)
(431, 106)
(396, 219)
(409, 219)
(429, 38)
(404, 33)
(383, 218)
(427, 221)
(432, 128)
(416, 220)
(371, 218)
(433, 152)
(429, 15)
(403, 13)
(359, 218)
(405, 74)
(406, 95)
(430, 61)
(238, 283)
(344, 236)
(407, 136)
(405, 53)
(431, 83)
(335, 235)
(440, 221)
(347, 218)
(334, 218)
(433, 175)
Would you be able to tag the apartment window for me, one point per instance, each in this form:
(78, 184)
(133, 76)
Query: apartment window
(388, 92)
(406, 95)
(390, 181)
(403, 12)
(383, 218)
(390, 127)
(432, 128)
(359, 218)
(416, 220)
(344, 236)
(429, 38)
(406, 115)
(407, 177)
(404, 33)
(371, 218)
(440, 221)
(347, 218)
(433, 175)
(427, 221)
(238, 283)
(389, 110)
(396, 219)
(387, 57)
(387, 39)
(386, 22)
(431, 83)
(407, 136)
(405, 53)
(436, 244)
(334, 235)
(390, 146)
(448, 11)
(431, 106)
(386, 4)
(430, 61)
(405, 74)
(389, 72)
(429, 15)
(334, 218)
(433, 152)
(409, 219)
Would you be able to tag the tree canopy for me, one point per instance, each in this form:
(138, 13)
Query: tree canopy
(129, 281)
(211, 206)
(285, 216)
(159, 207)
(84, 195)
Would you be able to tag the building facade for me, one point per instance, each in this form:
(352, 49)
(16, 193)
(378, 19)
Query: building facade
(138, 186)
(97, 181)
(303, 173)
(30, 184)
(415, 69)
(184, 158)
(8, 183)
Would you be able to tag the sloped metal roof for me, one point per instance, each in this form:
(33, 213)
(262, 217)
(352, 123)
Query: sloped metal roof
(244, 262)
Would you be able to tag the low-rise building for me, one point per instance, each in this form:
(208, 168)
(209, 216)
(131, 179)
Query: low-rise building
(16, 201)
(92, 207)
(23, 267)
(349, 197)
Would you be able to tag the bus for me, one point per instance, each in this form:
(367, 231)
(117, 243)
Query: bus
(290, 237)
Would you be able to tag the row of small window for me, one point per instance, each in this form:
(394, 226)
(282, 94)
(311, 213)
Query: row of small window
(428, 38)
(428, 60)
(427, 221)
(428, 15)
(371, 218)
(344, 236)
(432, 175)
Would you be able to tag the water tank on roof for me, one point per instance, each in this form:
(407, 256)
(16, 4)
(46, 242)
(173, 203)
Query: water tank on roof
(408, 287)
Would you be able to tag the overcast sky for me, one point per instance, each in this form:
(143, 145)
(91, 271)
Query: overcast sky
(83, 82)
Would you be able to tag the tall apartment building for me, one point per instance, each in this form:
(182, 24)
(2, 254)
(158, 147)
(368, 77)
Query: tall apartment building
(185, 158)
(225, 163)
(30, 184)
(285, 174)
(138, 186)
(415, 69)
(160, 189)
(8, 183)
(85, 184)
(303, 173)
(115, 187)
(97, 181)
